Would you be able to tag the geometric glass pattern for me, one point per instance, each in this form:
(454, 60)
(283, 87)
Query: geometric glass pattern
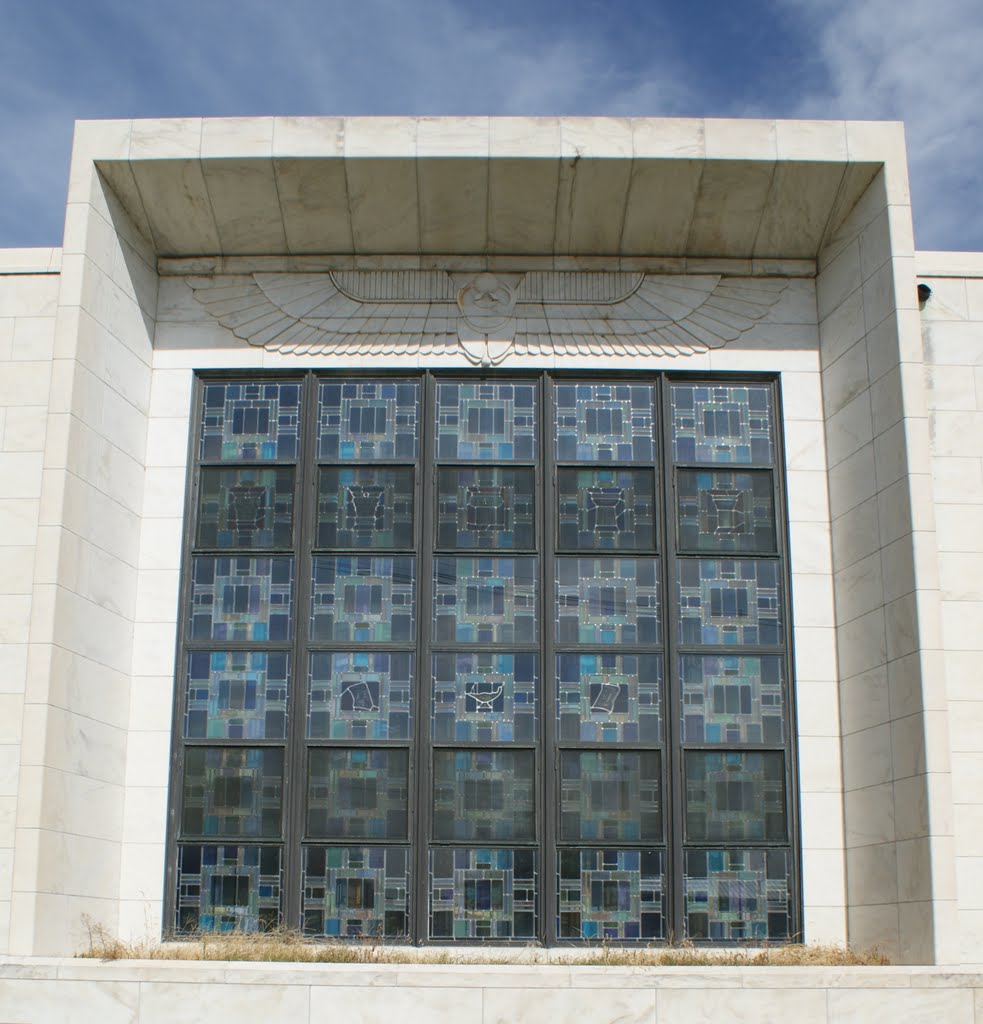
(228, 888)
(606, 509)
(611, 895)
(232, 791)
(484, 698)
(610, 796)
(241, 598)
(236, 695)
(361, 695)
(483, 894)
(363, 599)
(368, 420)
(365, 507)
(486, 507)
(732, 699)
(723, 511)
(722, 424)
(735, 796)
(737, 895)
(487, 421)
(484, 795)
(485, 600)
(250, 422)
(609, 698)
(355, 793)
(604, 422)
(245, 508)
(607, 601)
(356, 891)
(733, 601)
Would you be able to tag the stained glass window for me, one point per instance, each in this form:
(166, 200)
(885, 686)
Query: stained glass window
(606, 509)
(735, 796)
(604, 422)
(363, 599)
(228, 888)
(245, 508)
(485, 600)
(484, 795)
(484, 697)
(729, 602)
(233, 791)
(236, 695)
(250, 422)
(361, 695)
(610, 796)
(607, 601)
(242, 599)
(732, 698)
(368, 420)
(722, 423)
(357, 793)
(486, 507)
(724, 511)
(365, 507)
(497, 422)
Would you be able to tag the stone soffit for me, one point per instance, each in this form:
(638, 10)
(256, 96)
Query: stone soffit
(537, 187)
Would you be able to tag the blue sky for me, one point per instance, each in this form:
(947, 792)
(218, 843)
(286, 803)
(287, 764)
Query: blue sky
(900, 59)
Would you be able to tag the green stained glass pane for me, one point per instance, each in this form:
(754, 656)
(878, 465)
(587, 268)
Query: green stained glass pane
(610, 796)
(484, 795)
(228, 888)
(368, 420)
(732, 699)
(723, 511)
(609, 698)
(730, 423)
(484, 698)
(241, 598)
(236, 695)
(361, 695)
(737, 895)
(252, 422)
(485, 600)
(356, 892)
(735, 796)
(486, 507)
(730, 601)
(365, 507)
(493, 421)
(357, 793)
(606, 509)
(483, 894)
(607, 601)
(363, 599)
(232, 791)
(245, 508)
(611, 895)
(604, 422)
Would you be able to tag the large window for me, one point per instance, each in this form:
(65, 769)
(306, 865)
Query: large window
(495, 659)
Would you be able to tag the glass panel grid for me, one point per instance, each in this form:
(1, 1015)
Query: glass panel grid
(722, 423)
(361, 695)
(246, 599)
(363, 599)
(365, 507)
(232, 791)
(604, 422)
(484, 698)
(606, 509)
(245, 508)
(486, 507)
(731, 602)
(487, 421)
(607, 601)
(732, 698)
(228, 888)
(250, 422)
(485, 600)
(355, 793)
(735, 796)
(368, 420)
(725, 511)
(236, 695)
(610, 796)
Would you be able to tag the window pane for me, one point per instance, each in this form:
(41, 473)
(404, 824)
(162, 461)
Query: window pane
(484, 698)
(604, 422)
(228, 888)
(484, 795)
(737, 894)
(236, 695)
(609, 698)
(483, 894)
(360, 696)
(616, 895)
(735, 795)
(485, 600)
(729, 602)
(486, 507)
(722, 424)
(609, 795)
(607, 601)
(365, 507)
(241, 598)
(250, 422)
(489, 421)
(357, 794)
(232, 791)
(363, 599)
(732, 699)
(356, 891)
(721, 511)
(606, 509)
(245, 508)
(368, 420)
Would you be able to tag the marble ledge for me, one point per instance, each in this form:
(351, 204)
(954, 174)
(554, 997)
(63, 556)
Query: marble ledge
(30, 261)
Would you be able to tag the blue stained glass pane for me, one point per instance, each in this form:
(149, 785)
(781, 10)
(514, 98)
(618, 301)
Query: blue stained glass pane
(606, 509)
(735, 601)
(604, 422)
(484, 698)
(357, 794)
(724, 511)
(250, 422)
(611, 895)
(735, 796)
(489, 421)
(245, 508)
(362, 695)
(483, 894)
(732, 699)
(610, 796)
(486, 507)
(609, 698)
(365, 507)
(484, 795)
(741, 895)
(241, 598)
(722, 424)
(368, 420)
(236, 695)
(228, 889)
(356, 892)
(607, 601)
(363, 599)
(232, 791)
(485, 600)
